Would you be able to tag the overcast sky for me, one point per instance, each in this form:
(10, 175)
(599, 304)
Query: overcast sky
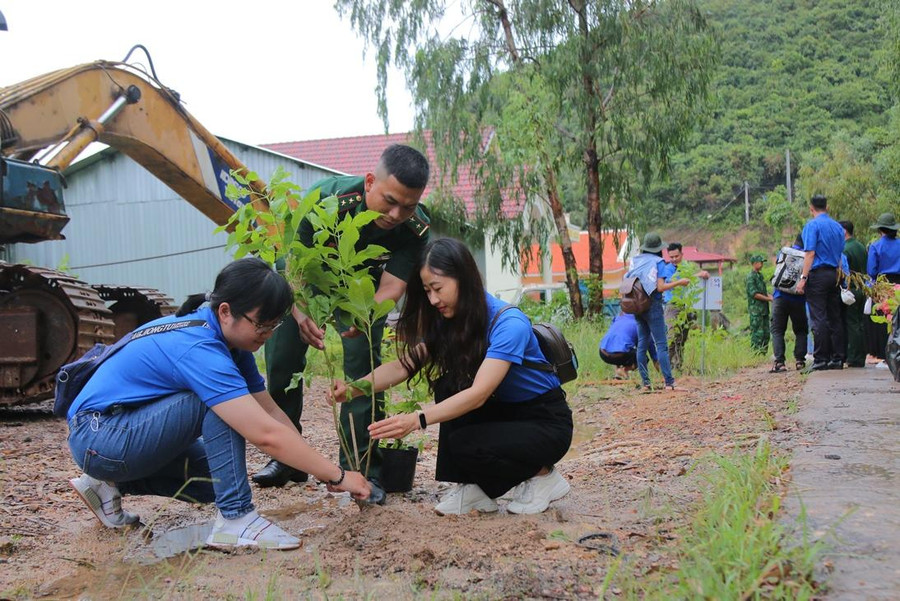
(256, 72)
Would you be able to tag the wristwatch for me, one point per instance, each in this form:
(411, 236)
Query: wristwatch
(803, 277)
(422, 421)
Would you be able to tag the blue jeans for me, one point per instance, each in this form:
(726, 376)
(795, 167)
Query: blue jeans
(156, 449)
(652, 328)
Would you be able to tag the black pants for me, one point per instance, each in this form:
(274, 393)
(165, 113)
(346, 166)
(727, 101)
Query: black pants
(782, 310)
(824, 298)
(500, 445)
(286, 354)
(622, 359)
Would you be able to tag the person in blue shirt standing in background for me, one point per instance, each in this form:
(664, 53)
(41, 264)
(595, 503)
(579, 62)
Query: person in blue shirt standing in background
(650, 269)
(883, 259)
(679, 328)
(823, 243)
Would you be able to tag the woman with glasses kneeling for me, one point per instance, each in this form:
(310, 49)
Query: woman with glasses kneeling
(169, 413)
(503, 425)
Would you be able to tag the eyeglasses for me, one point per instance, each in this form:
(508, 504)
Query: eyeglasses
(261, 328)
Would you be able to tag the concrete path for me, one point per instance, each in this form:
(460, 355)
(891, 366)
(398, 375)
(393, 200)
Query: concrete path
(847, 474)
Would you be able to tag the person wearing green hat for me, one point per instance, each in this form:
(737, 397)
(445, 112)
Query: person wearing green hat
(883, 260)
(758, 306)
(650, 268)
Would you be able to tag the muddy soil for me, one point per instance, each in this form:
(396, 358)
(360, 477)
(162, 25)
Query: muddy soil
(636, 466)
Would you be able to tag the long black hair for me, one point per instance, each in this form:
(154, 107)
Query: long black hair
(456, 346)
(246, 284)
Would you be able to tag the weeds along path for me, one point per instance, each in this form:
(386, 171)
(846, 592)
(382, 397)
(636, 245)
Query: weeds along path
(636, 466)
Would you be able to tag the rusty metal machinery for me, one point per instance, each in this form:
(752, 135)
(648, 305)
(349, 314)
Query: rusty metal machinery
(47, 318)
(132, 307)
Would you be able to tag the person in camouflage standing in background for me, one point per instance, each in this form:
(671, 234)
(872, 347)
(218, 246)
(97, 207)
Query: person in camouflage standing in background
(758, 306)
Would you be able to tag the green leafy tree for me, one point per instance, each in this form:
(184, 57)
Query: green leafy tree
(327, 275)
(852, 186)
(524, 92)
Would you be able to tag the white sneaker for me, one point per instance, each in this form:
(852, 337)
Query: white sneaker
(451, 491)
(251, 530)
(538, 492)
(513, 492)
(105, 500)
(465, 498)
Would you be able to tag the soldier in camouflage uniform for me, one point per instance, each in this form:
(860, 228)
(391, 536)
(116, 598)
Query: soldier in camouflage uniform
(394, 190)
(758, 306)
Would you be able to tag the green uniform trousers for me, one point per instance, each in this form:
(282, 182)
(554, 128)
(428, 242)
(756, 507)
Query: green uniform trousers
(856, 331)
(285, 355)
(759, 333)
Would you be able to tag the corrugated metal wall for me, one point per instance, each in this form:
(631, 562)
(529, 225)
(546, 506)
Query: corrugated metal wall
(128, 228)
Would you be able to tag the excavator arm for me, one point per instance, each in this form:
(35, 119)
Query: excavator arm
(47, 317)
(58, 114)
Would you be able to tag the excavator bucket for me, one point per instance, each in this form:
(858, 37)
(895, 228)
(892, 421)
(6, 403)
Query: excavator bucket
(31, 203)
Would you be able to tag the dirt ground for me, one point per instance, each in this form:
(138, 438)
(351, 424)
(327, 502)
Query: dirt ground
(630, 467)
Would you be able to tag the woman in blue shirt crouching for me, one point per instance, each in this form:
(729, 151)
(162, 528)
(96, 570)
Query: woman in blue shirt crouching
(503, 425)
(169, 413)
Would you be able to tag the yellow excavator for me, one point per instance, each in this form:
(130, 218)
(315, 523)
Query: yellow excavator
(48, 317)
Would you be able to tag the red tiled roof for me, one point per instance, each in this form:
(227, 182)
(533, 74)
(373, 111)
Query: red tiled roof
(359, 155)
(691, 253)
(581, 250)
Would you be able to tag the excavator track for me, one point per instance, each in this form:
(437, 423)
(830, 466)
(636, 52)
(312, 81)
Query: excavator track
(132, 306)
(47, 319)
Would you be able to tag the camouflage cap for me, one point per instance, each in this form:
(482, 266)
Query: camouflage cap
(757, 258)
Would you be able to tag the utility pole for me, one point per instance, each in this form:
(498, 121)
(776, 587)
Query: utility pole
(787, 154)
(746, 203)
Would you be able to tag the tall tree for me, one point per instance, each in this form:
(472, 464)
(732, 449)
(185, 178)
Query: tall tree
(605, 89)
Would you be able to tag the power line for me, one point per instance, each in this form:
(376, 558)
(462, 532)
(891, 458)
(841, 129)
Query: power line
(184, 252)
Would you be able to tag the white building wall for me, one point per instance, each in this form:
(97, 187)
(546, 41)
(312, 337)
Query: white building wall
(128, 228)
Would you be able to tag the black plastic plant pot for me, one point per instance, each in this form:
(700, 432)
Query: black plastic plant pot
(398, 469)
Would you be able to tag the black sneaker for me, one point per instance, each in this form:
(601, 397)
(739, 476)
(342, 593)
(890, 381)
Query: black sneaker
(816, 366)
(835, 365)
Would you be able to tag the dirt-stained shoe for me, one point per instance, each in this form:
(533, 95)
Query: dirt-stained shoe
(539, 492)
(465, 498)
(251, 530)
(105, 500)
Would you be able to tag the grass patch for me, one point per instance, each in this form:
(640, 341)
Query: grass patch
(734, 548)
(717, 353)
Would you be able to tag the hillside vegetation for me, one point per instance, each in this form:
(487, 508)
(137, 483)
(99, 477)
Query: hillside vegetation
(811, 76)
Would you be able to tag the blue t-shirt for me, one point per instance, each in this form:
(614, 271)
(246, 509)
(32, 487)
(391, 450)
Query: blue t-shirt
(513, 340)
(667, 273)
(622, 336)
(194, 359)
(884, 257)
(825, 236)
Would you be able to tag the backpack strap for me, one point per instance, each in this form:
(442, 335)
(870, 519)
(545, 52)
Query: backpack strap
(166, 327)
(546, 366)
